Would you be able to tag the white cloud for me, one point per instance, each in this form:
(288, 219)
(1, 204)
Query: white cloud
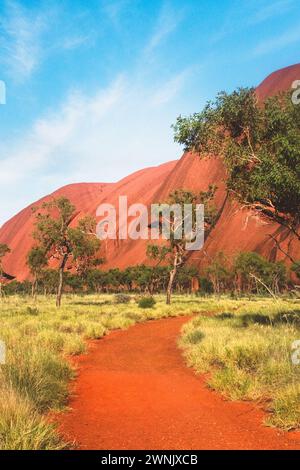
(20, 34)
(167, 22)
(101, 137)
(279, 42)
(272, 9)
(49, 135)
(114, 9)
(74, 42)
(168, 91)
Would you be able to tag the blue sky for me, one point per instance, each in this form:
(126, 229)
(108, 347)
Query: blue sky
(93, 86)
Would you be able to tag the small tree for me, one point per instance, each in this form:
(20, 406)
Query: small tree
(219, 272)
(63, 243)
(37, 261)
(4, 250)
(175, 251)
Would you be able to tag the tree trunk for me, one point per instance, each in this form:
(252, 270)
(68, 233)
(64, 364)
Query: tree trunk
(171, 279)
(34, 288)
(61, 280)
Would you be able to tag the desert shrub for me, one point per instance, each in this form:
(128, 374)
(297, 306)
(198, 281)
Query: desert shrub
(194, 337)
(121, 299)
(32, 311)
(146, 302)
(206, 287)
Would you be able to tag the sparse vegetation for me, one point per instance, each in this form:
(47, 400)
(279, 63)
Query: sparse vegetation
(122, 299)
(146, 302)
(39, 340)
(246, 350)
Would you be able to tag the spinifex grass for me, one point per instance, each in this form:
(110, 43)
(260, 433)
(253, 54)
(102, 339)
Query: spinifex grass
(38, 339)
(246, 348)
(248, 359)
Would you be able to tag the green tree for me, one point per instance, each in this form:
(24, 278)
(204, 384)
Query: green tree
(296, 268)
(4, 250)
(260, 145)
(219, 272)
(185, 277)
(37, 261)
(175, 251)
(254, 272)
(76, 246)
(49, 280)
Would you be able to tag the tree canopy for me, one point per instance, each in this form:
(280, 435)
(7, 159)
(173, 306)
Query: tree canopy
(260, 145)
(61, 241)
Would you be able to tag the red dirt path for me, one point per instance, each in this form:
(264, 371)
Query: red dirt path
(135, 392)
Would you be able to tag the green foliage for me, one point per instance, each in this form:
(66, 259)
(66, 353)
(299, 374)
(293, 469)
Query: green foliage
(219, 273)
(4, 250)
(296, 268)
(206, 286)
(247, 272)
(122, 299)
(172, 227)
(251, 268)
(36, 260)
(146, 302)
(260, 145)
(221, 276)
(57, 239)
(32, 311)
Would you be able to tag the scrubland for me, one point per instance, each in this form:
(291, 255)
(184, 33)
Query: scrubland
(244, 346)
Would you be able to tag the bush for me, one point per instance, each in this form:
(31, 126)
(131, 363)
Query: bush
(146, 302)
(32, 311)
(206, 287)
(122, 299)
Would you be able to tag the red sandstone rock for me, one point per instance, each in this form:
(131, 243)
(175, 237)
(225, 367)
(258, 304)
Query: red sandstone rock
(237, 229)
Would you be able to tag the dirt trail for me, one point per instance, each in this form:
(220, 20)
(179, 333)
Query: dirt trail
(135, 392)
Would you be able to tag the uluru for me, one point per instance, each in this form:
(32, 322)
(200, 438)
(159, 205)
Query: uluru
(237, 229)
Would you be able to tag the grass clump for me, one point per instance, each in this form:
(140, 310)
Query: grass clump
(146, 302)
(122, 299)
(32, 311)
(22, 427)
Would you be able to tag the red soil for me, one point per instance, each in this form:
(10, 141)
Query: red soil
(135, 392)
